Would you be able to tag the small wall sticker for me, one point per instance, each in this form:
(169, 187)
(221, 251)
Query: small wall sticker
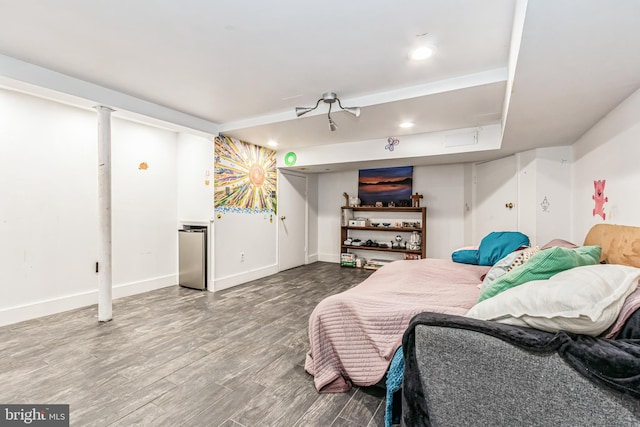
(391, 143)
(290, 158)
(599, 198)
(545, 205)
(143, 166)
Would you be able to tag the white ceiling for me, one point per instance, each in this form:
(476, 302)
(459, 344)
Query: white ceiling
(578, 60)
(244, 65)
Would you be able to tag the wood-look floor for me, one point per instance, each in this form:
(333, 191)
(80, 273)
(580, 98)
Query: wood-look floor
(180, 357)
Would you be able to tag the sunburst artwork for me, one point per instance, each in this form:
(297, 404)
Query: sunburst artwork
(245, 177)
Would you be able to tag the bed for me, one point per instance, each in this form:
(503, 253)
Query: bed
(354, 335)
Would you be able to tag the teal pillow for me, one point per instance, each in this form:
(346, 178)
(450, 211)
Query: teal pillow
(498, 244)
(542, 266)
(465, 256)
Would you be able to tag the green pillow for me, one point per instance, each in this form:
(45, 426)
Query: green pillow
(542, 266)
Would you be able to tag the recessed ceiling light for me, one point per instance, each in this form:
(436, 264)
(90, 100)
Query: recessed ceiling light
(406, 125)
(421, 53)
(272, 143)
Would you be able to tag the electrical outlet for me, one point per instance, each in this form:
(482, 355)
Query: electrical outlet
(241, 256)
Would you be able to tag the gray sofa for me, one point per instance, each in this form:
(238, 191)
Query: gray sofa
(458, 376)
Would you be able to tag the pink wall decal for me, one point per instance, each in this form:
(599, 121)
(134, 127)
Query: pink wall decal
(599, 198)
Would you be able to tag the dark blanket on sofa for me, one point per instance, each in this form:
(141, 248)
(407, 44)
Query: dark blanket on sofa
(611, 363)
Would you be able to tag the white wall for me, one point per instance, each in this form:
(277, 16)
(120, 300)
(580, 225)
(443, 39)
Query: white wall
(468, 204)
(544, 174)
(610, 151)
(48, 207)
(195, 167)
(444, 196)
(312, 201)
(255, 235)
(330, 188)
(526, 203)
(144, 205)
(554, 184)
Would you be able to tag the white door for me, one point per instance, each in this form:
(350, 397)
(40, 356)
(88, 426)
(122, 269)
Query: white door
(292, 220)
(496, 193)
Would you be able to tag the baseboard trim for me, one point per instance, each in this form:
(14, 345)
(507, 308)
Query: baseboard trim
(312, 258)
(239, 279)
(329, 258)
(133, 288)
(37, 309)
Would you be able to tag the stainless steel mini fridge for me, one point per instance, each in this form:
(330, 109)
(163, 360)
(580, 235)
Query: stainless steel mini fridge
(192, 257)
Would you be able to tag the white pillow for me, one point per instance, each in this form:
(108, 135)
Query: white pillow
(584, 300)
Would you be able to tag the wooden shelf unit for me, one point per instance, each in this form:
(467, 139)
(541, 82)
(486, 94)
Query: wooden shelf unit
(344, 230)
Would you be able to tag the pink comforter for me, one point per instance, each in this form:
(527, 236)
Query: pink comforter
(354, 334)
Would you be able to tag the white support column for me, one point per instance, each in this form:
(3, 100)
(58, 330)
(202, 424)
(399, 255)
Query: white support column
(104, 214)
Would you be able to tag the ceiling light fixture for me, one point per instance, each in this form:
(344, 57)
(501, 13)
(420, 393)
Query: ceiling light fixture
(406, 125)
(329, 98)
(272, 143)
(421, 53)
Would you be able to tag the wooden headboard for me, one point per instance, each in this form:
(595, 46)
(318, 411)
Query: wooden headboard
(620, 243)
